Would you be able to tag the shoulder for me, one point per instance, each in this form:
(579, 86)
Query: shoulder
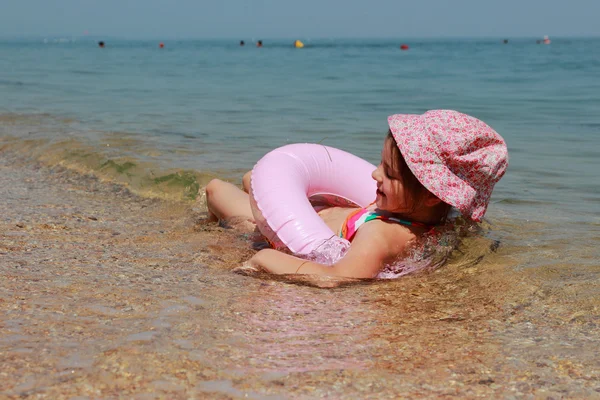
(374, 245)
(390, 237)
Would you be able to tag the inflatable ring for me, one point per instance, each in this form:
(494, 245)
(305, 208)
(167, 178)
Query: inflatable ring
(287, 179)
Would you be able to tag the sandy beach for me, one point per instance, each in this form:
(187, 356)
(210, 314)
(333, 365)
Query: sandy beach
(108, 295)
(83, 267)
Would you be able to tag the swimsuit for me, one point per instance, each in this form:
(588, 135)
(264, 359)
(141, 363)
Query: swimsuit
(356, 218)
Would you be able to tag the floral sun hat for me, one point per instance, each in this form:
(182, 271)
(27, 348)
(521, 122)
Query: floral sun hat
(455, 156)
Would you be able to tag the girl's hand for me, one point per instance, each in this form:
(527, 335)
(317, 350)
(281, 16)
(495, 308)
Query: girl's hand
(246, 269)
(276, 262)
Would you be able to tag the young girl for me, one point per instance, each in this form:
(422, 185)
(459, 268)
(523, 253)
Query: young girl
(429, 164)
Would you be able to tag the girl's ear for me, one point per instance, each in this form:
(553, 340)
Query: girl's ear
(431, 200)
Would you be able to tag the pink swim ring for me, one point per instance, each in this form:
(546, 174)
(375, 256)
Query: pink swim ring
(284, 182)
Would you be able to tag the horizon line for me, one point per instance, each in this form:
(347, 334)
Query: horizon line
(254, 38)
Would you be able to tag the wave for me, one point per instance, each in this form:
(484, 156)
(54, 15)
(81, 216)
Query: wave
(140, 177)
(86, 72)
(4, 82)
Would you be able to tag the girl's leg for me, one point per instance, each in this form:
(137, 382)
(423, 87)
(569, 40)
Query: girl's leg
(246, 181)
(225, 200)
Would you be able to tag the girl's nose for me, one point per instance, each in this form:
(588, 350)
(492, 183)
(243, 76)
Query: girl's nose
(376, 174)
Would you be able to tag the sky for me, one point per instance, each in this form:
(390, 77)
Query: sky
(245, 19)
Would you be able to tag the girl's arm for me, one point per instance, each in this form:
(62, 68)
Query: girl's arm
(366, 257)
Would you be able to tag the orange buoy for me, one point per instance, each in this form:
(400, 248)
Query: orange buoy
(161, 45)
(404, 47)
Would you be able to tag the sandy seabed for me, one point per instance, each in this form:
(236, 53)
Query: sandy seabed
(104, 294)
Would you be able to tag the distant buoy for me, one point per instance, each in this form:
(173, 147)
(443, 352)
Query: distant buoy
(547, 40)
(404, 47)
(161, 45)
(298, 44)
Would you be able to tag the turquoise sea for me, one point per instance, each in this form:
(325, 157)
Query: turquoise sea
(213, 108)
(164, 121)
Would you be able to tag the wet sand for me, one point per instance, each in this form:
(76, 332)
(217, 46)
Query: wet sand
(108, 295)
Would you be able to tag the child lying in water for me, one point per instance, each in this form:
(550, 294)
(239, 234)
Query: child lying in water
(429, 164)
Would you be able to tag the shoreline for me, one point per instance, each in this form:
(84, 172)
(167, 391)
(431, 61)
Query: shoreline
(106, 294)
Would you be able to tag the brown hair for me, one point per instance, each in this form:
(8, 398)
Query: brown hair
(414, 193)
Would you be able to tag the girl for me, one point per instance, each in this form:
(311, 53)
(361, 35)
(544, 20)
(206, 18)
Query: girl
(429, 164)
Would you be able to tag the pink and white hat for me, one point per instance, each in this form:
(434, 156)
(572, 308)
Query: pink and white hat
(455, 156)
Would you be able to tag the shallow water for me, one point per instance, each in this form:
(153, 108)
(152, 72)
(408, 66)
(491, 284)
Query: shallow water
(108, 294)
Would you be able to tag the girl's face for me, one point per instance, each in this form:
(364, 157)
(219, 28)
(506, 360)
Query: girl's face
(390, 191)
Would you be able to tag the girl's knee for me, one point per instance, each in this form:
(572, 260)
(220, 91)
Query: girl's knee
(246, 181)
(225, 200)
(213, 186)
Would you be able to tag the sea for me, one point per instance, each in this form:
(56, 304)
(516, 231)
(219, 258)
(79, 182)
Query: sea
(166, 120)
(163, 121)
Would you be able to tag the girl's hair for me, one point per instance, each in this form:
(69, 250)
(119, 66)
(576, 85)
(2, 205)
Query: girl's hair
(414, 191)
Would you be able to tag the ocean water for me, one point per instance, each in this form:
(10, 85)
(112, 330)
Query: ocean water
(198, 109)
(166, 121)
